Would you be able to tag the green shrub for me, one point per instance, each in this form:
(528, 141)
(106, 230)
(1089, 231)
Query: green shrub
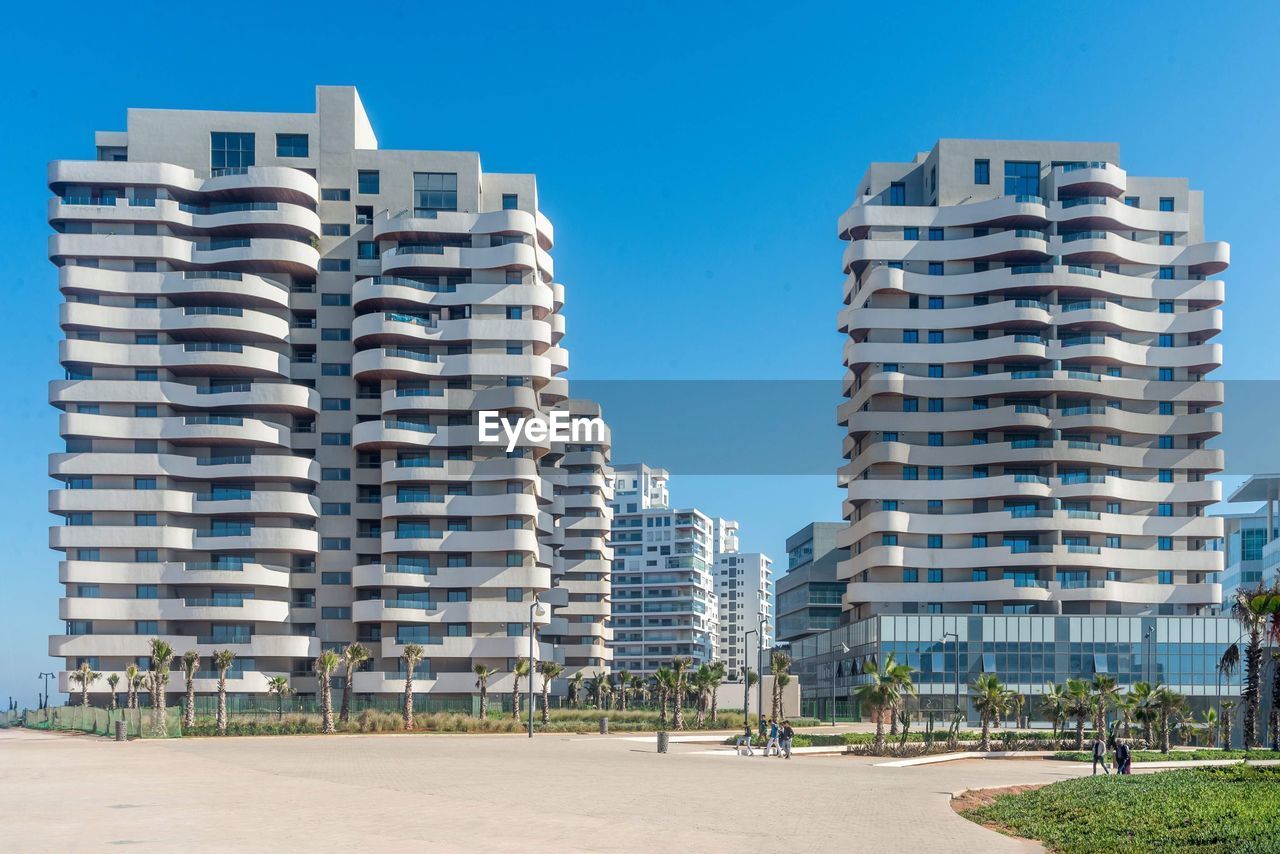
(1226, 809)
(1173, 755)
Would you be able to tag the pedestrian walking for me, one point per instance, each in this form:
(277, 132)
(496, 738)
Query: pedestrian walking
(772, 744)
(744, 741)
(1123, 758)
(787, 734)
(1100, 755)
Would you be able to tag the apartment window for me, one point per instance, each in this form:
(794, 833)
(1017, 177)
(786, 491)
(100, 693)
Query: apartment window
(910, 473)
(1166, 576)
(515, 312)
(335, 578)
(1133, 201)
(897, 193)
(978, 541)
(335, 265)
(335, 369)
(1166, 203)
(910, 336)
(335, 543)
(1166, 306)
(979, 403)
(1166, 272)
(935, 372)
(335, 439)
(367, 181)
(935, 576)
(890, 368)
(1165, 443)
(367, 250)
(979, 575)
(335, 194)
(230, 150)
(935, 440)
(910, 404)
(335, 613)
(1165, 374)
(1166, 407)
(515, 559)
(911, 233)
(364, 214)
(292, 145)
(1164, 544)
(146, 411)
(982, 171)
(335, 404)
(146, 591)
(935, 404)
(335, 229)
(1164, 509)
(935, 268)
(1022, 178)
(146, 556)
(935, 234)
(510, 201)
(935, 302)
(1166, 238)
(140, 374)
(895, 265)
(335, 508)
(934, 541)
(335, 299)
(337, 334)
(435, 191)
(1165, 340)
(146, 627)
(145, 520)
(910, 576)
(335, 474)
(935, 472)
(1166, 476)
(935, 336)
(888, 504)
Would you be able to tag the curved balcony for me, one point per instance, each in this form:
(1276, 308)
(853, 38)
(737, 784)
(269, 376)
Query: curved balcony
(1094, 349)
(1106, 212)
(134, 646)
(1010, 245)
(1103, 315)
(200, 430)
(503, 504)
(265, 502)
(410, 225)
(893, 558)
(266, 183)
(284, 397)
(1093, 178)
(212, 287)
(1027, 313)
(233, 466)
(396, 362)
(192, 357)
(411, 258)
(256, 254)
(222, 323)
(191, 572)
(391, 293)
(441, 541)
(1006, 347)
(959, 526)
(215, 609)
(459, 470)
(294, 540)
(261, 219)
(522, 399)
(1030, 211)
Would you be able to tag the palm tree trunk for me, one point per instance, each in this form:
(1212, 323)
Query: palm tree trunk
(714, 706)
(879, 746)
(546, 701)
(222, 703)
(1252, 689)
(484, 701)
(407, 712)
(280, 706)
(678, 716)
(515, 697)
(1080, 732)
(326, 702)
(189, 713)
(344, 714)
(1274, 719)
(84, 694)
(985, 744)
(157, 704)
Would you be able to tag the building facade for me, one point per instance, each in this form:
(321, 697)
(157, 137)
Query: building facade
(664, 590)
(1029, 338)
(744, 590)
(810, 597)
(278, 337)
(1248, 537)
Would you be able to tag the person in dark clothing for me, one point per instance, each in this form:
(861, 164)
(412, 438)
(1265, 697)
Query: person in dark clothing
(1100, 755)
(1123, 758)
(787, 734)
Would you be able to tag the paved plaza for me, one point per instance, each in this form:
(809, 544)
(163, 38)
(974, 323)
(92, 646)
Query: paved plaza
(464, 792)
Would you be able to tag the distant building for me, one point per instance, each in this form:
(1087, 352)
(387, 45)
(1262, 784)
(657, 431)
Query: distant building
(1245, 536)
(809, 595)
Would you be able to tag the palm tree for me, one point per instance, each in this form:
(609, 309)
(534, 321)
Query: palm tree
(1079, 704)
(701, 681)
(279, 685)
(222, 660)
(1227, 707)
(991, 700)
(575, 689)
(624, 685)
(1209, 726)
(326, 663)
(882, 692)
(161, 655)
(131, 680)
(112, 681)
(1054, 704)
(412, 654)
(779, 663)
(1106, 693)
(549, 670)
(190, 667)
(1126, 705)
(1168, 703)
(718, 672)
(84, 676)
(483, 674)
(1142, 708)
(665, 681)
(520, 670)
(1274, 718)
(1253, 610)
(353, 655)
(679, 667)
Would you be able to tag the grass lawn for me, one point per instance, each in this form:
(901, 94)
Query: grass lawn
(1171, 756)
(1230, 809)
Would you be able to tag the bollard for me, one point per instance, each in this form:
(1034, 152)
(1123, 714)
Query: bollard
(604, 726)
(120, 731)
(664, 739)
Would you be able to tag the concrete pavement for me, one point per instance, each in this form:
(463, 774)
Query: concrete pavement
(463, 792)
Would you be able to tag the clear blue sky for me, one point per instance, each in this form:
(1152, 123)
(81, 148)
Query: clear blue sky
(694, 161)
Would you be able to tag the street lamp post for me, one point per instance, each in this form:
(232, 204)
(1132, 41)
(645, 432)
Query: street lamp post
(956, 638)
(44, 703)
(844, 650)
(746, 683)
(760, 672)
(1146, 671)
(535, 608)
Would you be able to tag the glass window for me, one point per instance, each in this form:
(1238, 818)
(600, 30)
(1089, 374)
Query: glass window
(292, 145)
(982, 171)
(910, 576)
(935, 576)
(910, 404)
(1133, 201)
(230, 150)
(367, 250)
(1022, 178)
(1166, 203)
(910, 336)
(910, 234)
(335, 194)
(979, 575)
(1166, 272)
(935, 268)
(1166, 576)
(510, 201)
(897, 193)
(1166, 238)
(367, 181)
(434, 191)
(935, 234)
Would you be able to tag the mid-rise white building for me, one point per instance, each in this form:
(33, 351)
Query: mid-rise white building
(744, 588)
(278, 336)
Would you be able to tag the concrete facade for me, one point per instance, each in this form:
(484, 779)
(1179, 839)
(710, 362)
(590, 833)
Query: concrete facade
(809, 595)
(278, 338)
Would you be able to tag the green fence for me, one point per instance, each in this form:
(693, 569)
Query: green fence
(138, 722)
(8, 719)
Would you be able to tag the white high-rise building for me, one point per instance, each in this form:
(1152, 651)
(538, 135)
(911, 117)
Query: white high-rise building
(1030, 330)
(744, 587)
(278, 338)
